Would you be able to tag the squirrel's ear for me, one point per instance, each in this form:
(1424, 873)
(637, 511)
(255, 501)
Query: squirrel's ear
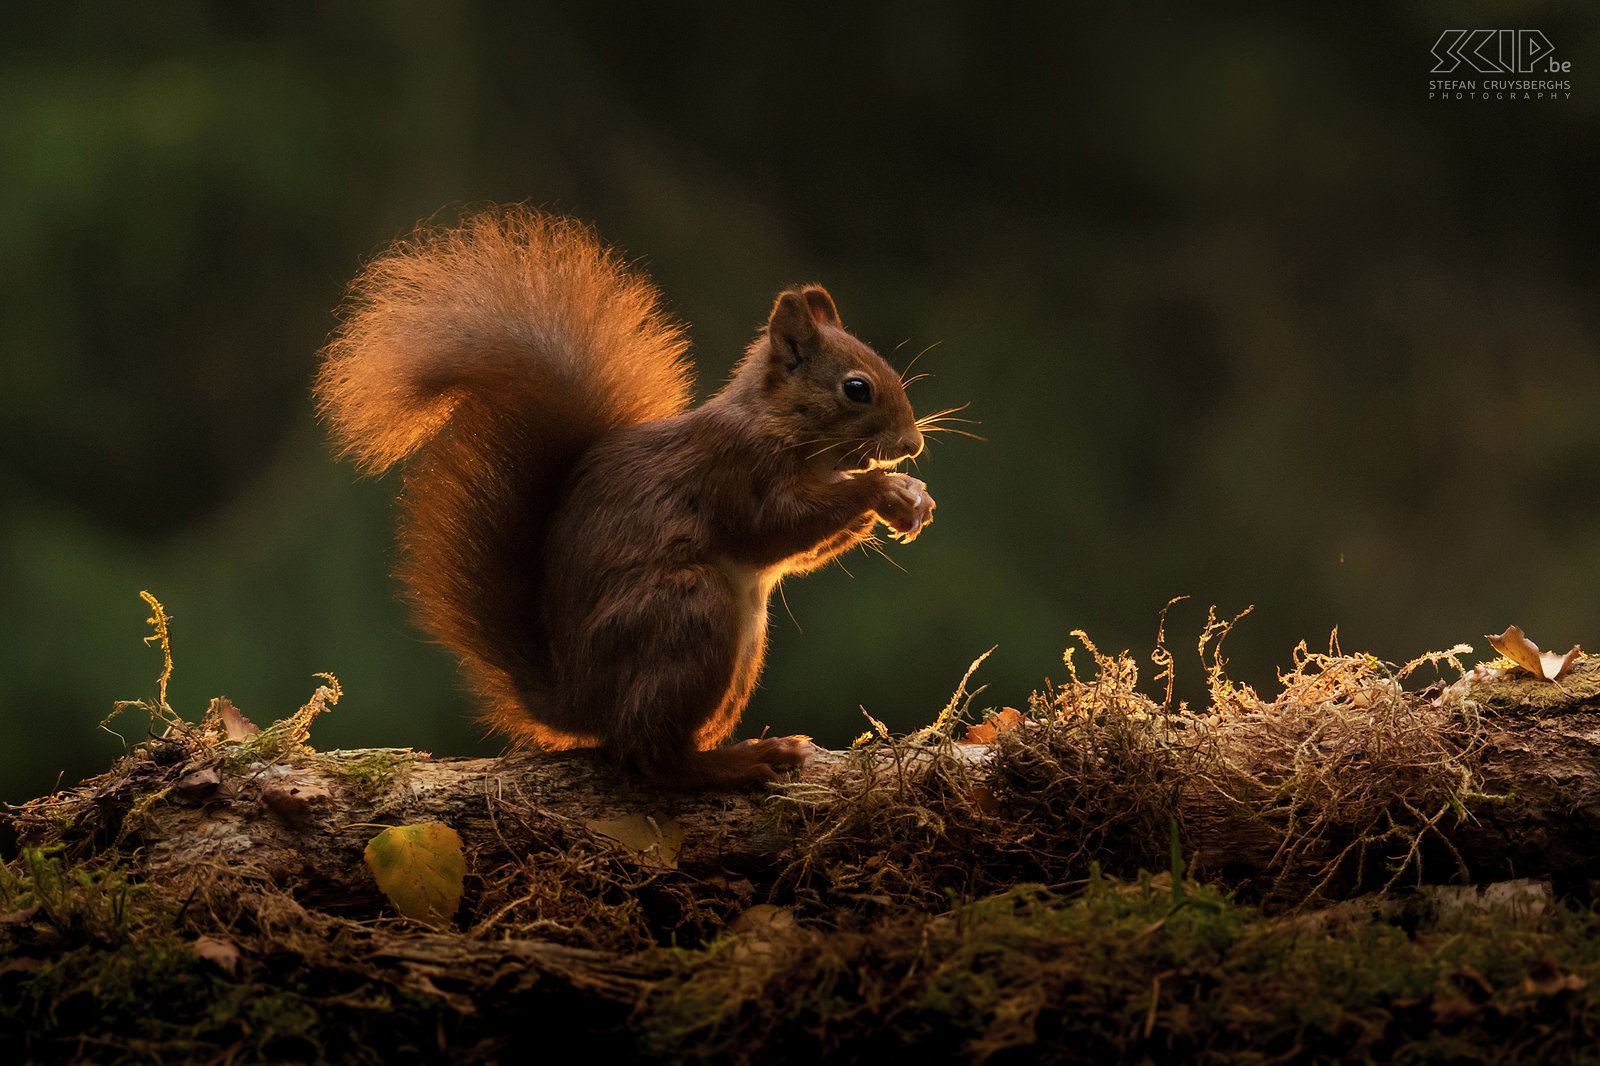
(791, 329)
(821, 305)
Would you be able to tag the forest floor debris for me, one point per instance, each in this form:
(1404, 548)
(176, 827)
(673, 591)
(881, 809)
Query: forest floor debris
(1005, 882)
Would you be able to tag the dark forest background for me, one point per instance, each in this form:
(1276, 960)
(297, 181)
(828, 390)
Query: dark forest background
(1244, 316)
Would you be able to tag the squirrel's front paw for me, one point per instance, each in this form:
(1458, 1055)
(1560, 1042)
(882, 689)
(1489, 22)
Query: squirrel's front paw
(906, 506)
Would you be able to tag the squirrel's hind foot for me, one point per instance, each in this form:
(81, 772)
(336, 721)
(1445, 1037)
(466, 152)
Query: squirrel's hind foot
(746, 765)
(785, 753)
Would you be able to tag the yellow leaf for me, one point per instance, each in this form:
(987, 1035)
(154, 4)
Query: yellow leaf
(420, 868)
(656, 841)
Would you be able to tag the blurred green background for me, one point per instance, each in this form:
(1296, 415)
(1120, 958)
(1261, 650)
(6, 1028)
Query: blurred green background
(1244, 315)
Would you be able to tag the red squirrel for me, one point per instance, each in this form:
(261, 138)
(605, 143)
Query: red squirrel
(597, 553)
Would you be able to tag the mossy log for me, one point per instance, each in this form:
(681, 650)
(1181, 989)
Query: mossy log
(220, 884)
(303, 823)
(1274, 801)
(1530, 808)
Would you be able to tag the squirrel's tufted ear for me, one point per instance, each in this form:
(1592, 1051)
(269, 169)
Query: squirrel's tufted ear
(792, 330)
(821, 305)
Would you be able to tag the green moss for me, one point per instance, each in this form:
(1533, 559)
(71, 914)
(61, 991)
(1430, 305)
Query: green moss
(96, 966)
(77, 903)
(1120, 973)
(155, 1001)
(1508, 690)
(371, 771)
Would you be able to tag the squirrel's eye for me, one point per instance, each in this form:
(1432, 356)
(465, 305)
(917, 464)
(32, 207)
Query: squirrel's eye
(857, 390)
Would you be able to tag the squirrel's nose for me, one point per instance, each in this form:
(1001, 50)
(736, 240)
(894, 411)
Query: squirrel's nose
(911, 445)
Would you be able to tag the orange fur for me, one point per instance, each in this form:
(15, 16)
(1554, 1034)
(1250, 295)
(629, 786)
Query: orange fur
(599, 555)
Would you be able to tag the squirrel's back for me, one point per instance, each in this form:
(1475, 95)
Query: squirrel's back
(490, 356)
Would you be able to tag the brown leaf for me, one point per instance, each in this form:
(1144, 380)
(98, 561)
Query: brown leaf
(224, 954)
(1453, 1009)
(653, 841)
(763, 919)
(1546, 979)
(1466, 976)
(197, 784)
(986, 731)
(1557, 666)
(1519, 649)
(1547, 666)
(760, 929)
(234, 724)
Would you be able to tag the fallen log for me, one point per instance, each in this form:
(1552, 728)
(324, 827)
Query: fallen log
(215, 879)
(1347, 784)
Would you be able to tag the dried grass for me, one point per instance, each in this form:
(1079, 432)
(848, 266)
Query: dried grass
(1358, 771)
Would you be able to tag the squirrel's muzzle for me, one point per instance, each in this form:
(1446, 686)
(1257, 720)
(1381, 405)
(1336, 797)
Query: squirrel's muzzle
(907, 447)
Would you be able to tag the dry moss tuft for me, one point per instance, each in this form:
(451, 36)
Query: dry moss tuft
(563, 884)
(1352, 781)
(1362, 779)
(1098, 776)
(1090, 776)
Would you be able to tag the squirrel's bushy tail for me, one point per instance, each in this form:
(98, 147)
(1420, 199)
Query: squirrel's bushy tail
(490, 356)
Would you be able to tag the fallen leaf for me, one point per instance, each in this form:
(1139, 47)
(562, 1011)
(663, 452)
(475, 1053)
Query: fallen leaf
(234, 724)
(197, 784)
(420, 868)
(1547, 666)
(1453, 1009)
(1469, 976)
(763, 919)
(984, 799)
(655, 841)
(760, 929)
(986, 731)
(1545, 979)
(223, 954)
(295, 804)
